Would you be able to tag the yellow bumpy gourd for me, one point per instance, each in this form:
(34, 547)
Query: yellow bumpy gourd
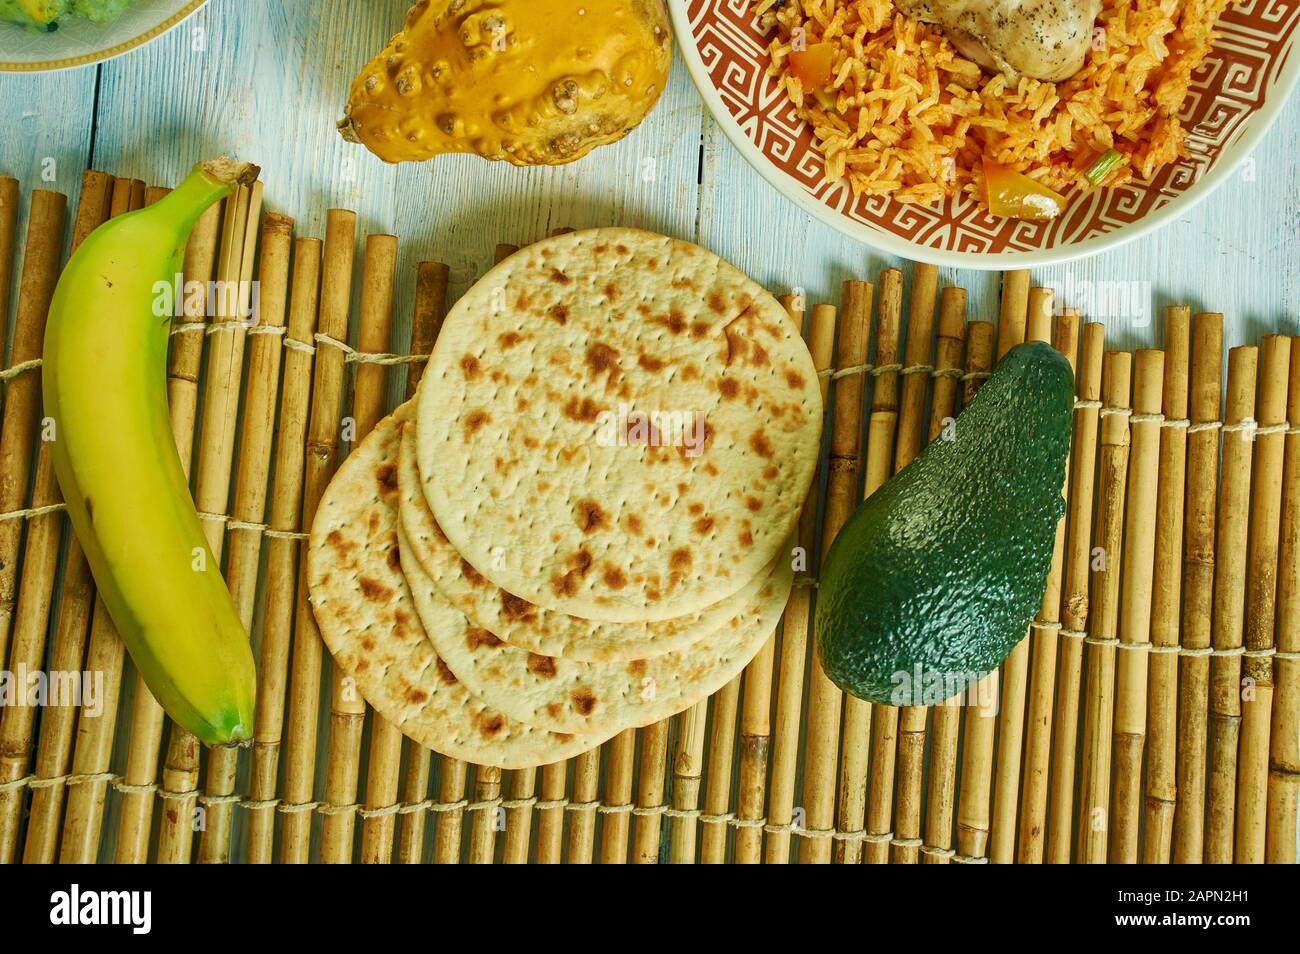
(532, 82)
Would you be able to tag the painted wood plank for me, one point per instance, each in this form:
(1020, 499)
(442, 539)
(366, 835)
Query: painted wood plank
(46, 118)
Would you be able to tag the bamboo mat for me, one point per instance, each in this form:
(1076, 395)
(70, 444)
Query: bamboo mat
(1151, 714)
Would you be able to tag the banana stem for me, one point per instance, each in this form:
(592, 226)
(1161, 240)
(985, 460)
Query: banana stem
(207, 182)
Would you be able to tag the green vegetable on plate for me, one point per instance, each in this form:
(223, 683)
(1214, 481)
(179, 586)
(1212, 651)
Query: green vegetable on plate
(1097, 172)
(44, 15)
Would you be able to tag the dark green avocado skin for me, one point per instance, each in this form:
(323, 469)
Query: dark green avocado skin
(944, 566)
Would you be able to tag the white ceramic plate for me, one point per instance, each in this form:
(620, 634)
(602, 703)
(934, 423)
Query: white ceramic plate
(78, 42)
(1235, 95)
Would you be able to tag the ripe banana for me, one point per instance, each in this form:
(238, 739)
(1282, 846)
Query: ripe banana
(105, 373)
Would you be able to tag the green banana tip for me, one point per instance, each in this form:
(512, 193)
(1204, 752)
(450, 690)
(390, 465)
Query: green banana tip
(236, 737)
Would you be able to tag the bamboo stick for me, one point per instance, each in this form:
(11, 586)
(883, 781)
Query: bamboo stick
(946, 718)
(977, 757)
(717, 786)
(1166, 597)
(949, 346)
(75, 601)
(282, 548)
(258, 417)
(348, 709)
(1198, 585)
(212, 495)
(1103, 621)
(1265, 524)
(1074, 599)
(1284, 739)
(426, 323)
(688, 765)
(245, 549)
(91, 760)
(1229, 603)
(976, 772)
(869, 746)
(918, 354)
(1015, 670)
(795, 627)
(83, 815)
(44, 532)
(319, 463)
(582, 830)
(888, 721)
(1135, 605)
(9, 199)
(1013, 314)
(618, 795)
(185, 362)
(755, 718)
(518, 821)
(447, 835)
(755, 741)
(550, 821)
(823, 720)
(1045, 641)
(970, 842)
(650, 792)
(487, 821)
(42, 257)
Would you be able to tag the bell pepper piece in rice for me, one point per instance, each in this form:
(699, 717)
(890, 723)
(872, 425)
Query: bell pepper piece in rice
(1014, 195)
(813, 66)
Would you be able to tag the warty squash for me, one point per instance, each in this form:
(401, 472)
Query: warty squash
(531, 82)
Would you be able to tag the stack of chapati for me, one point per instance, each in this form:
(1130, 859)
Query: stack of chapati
(582, 522)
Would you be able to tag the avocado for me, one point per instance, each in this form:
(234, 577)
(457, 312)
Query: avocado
(935, 577)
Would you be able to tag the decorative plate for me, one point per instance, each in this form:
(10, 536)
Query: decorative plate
(1234, 97)
(78, 42)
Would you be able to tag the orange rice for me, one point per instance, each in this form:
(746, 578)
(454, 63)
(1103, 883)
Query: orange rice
(913, 118)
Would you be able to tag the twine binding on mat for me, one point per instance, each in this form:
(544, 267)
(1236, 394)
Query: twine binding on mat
(19, 368)
(464, 805)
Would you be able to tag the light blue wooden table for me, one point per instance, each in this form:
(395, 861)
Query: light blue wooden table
(266, 81)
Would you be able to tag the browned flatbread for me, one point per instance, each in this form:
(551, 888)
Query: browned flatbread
(535, 628)
(593, 697)
(368, 620)
(619, 426)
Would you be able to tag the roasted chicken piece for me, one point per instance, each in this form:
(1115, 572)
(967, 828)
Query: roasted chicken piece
(1045, 39)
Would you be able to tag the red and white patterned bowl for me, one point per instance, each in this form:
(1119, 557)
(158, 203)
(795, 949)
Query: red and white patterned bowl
(1234, 97)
